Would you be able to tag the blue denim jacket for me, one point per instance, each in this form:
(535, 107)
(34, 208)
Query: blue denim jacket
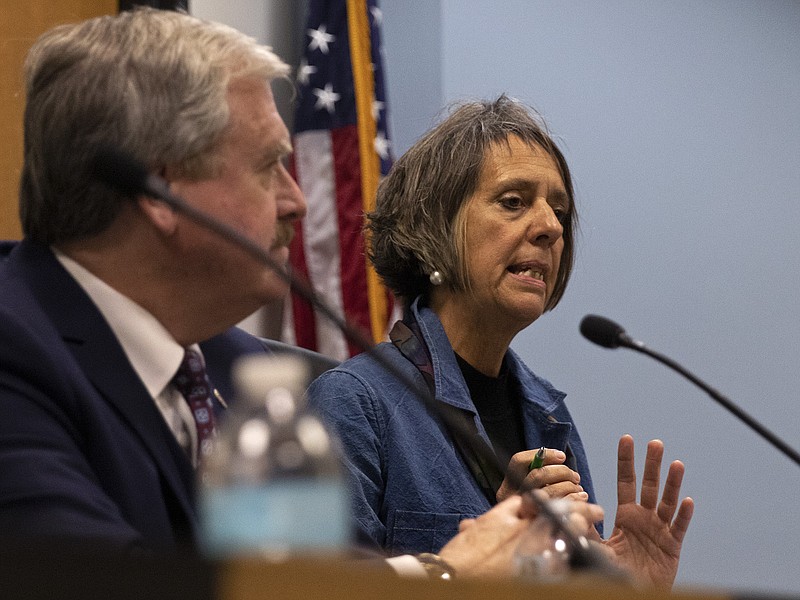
(410, 485)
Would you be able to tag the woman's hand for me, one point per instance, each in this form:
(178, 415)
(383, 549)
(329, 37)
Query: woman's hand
(647, 537)
(553, 477)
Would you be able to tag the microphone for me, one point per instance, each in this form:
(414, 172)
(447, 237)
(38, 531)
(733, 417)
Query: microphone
(609, 334)
(120, 171)
(604, 332)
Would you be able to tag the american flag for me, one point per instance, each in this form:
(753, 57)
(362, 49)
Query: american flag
(341, 149)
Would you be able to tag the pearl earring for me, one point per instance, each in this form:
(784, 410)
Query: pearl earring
(436, 278)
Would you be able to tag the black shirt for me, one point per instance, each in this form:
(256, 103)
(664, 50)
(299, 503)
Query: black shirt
(497, 400)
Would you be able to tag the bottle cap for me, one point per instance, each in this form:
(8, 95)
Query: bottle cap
(255, 375)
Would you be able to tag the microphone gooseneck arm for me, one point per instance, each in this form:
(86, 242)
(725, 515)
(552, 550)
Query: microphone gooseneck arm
(118, 170)
(608, 334)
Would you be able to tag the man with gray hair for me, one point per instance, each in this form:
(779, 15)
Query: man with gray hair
(105, 295)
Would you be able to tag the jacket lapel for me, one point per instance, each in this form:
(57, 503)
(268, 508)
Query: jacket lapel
(103, 360)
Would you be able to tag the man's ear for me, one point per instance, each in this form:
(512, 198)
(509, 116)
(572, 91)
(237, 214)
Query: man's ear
(159, 214)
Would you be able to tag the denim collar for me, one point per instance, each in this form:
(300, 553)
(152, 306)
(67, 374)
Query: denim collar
(450, 386)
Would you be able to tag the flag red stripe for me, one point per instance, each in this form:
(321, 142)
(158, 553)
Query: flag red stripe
(347, 173)
(305, 330)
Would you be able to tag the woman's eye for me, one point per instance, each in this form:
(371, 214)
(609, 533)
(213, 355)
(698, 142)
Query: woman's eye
(511, 202)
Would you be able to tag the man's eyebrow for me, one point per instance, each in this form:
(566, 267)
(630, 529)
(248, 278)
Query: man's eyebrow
(285, 147)
(276, 152)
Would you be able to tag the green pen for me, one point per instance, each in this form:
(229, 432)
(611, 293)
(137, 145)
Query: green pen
(538, 460)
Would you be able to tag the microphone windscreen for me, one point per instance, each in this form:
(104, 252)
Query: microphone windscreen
(119, 171)
(603, 332)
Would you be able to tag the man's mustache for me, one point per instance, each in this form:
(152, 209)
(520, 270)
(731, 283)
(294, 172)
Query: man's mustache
(284, 234)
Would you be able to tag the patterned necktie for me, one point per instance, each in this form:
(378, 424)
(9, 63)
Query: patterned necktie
(192, 382)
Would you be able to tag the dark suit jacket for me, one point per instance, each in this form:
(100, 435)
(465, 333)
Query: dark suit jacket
(84, 451)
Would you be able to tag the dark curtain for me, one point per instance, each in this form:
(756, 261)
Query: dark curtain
(162, 4)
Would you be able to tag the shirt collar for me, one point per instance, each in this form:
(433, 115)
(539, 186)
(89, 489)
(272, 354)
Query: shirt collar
(152, 351)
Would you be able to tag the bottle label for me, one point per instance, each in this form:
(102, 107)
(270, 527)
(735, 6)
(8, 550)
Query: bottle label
(280, 516)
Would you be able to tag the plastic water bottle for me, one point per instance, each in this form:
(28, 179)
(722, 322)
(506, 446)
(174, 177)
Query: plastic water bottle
(273, 484)
(542, 554)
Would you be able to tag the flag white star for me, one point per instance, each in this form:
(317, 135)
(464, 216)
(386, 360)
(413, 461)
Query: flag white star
(320, 38)
(304, 71)
(381, 145)
(326, 98)
(377, 107)
(377, 15)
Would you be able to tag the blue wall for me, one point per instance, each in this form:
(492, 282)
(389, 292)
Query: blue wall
(680, 121)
